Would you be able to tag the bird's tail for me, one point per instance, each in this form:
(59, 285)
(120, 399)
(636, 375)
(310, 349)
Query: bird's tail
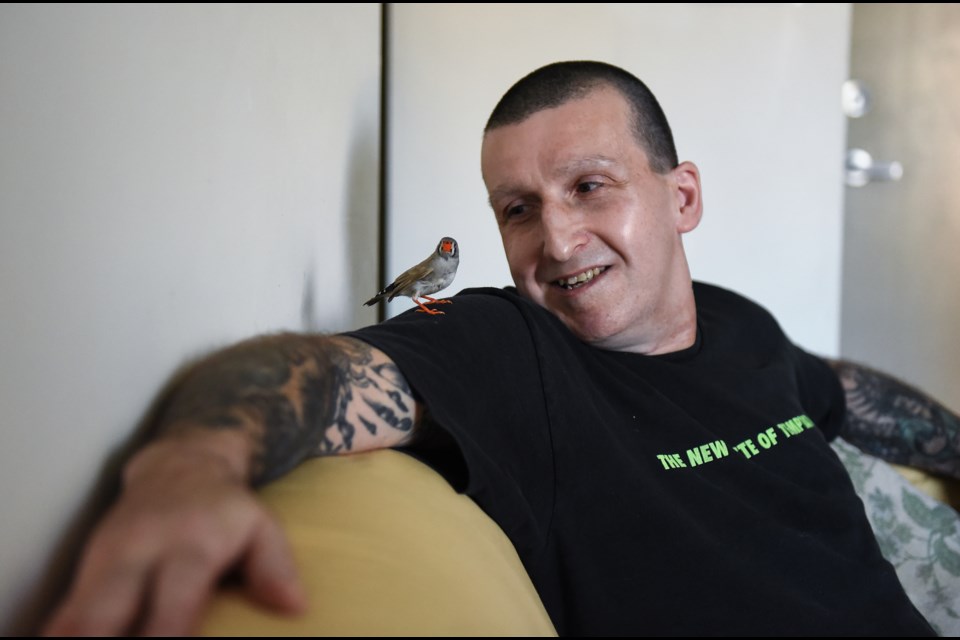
(380, 296)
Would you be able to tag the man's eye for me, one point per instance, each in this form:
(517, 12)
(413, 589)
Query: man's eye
(587, 187)
(515, 210)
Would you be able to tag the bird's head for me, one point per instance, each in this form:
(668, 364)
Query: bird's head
(448, 248)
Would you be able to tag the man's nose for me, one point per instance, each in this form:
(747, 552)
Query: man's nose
(563, 232)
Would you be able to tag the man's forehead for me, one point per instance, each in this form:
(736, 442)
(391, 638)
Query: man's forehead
(577, 129)
(561, 167)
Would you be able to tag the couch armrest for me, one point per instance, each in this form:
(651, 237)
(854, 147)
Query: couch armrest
(386, 547)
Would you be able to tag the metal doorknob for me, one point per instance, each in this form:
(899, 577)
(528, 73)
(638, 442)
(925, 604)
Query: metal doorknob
(861, 170)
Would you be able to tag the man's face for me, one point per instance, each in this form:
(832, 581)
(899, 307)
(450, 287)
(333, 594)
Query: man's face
(576, 200)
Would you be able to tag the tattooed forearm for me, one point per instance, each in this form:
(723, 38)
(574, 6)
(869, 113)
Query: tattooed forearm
(297, 396)
(898, 423)
(371, 393)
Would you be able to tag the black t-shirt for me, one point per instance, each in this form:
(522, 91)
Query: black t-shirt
(681, 494)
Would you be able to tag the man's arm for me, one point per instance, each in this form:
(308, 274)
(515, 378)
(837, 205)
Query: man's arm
(896, 422)
(186, 514)
(293, 396)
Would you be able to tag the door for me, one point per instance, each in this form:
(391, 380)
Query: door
(900, 307)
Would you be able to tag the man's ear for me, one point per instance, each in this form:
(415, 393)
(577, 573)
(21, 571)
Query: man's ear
(689, 196)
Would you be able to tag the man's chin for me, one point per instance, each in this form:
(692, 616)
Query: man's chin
(592, 331)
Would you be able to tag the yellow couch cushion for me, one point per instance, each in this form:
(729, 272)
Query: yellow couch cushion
(942, 488)
(386, 547)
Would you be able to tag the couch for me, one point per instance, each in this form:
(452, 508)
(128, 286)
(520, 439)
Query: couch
(386, 547)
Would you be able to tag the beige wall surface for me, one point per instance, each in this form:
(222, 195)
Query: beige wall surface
(172, 178)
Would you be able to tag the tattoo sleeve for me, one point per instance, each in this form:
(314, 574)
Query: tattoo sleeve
(297, 396)
(896, 422)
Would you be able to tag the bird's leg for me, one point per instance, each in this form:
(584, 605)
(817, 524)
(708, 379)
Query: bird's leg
(435, 301)
(426, 309)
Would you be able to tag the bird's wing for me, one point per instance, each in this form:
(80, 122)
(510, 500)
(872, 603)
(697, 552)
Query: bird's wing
(406, 279)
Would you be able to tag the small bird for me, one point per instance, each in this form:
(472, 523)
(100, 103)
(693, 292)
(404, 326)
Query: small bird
(431, 275)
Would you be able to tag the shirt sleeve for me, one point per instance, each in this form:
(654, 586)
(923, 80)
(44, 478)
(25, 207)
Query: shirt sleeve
(820, 392)
(477, 372)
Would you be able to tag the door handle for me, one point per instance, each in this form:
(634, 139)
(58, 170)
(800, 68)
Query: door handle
(860, 169)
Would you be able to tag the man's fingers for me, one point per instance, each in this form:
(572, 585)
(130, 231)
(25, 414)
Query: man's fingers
(181, 588)
(100, 605)
(153, 562)
(271, 573)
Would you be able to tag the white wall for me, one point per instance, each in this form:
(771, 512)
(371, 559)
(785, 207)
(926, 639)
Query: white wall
(752, 93)
(172, 178)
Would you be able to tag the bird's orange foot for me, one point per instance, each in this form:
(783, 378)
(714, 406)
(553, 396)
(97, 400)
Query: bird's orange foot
(425, 309)
(435, 301)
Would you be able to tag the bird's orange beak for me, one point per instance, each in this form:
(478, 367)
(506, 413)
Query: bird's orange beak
(447, 247)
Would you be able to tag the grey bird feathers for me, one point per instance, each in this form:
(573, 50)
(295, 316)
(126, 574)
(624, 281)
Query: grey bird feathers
(431, 275)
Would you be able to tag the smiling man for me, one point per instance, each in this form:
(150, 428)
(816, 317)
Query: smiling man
(591, 231)
(656, 449)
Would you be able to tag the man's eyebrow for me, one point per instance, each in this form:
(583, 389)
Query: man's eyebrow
(500, 192)
(585, 162)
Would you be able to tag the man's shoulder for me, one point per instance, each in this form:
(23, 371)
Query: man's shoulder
(738, 319)
(490, 295)
(474, 317)
(472, 302)
(465, 304)
(478, 302)
(715, 299)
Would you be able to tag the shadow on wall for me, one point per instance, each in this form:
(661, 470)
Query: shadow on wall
(363, 225)
(362, 238)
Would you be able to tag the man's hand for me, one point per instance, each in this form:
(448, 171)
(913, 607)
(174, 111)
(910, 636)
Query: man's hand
(241, 417)
(186, 517)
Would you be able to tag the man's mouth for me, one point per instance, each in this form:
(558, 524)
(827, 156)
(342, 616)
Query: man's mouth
(575, 281)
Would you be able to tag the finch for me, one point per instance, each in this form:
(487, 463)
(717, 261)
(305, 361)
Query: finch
(431, 275)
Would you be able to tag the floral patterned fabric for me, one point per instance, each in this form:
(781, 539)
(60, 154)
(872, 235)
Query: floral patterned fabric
(918, 535)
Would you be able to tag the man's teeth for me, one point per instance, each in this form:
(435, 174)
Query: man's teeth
(575, 281)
